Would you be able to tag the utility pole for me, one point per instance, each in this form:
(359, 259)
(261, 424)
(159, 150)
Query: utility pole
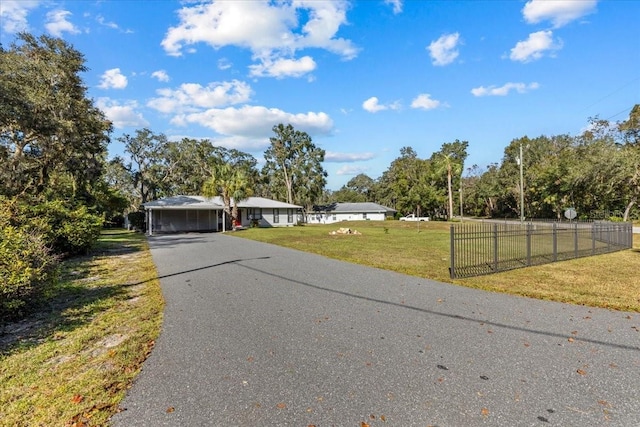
(461, 211)
(521, 162)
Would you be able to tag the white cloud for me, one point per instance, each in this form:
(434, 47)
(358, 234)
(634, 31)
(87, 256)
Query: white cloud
(161, 75)
(334, 157)
(397, 5)
(351, 170)
(121, 116)
(444, 50)
(559, 12)
(57, 23)
(224, 64)
(534, 47)
(110, 24)
(193, 97)
(504, 89)
(113, 79)
(373, 105)
(424, 102)
(283, 67)
(13, 14)
(255, 121)
(272, 31)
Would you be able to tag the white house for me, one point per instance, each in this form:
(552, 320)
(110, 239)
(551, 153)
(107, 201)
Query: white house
(198, 213)
(336, 212)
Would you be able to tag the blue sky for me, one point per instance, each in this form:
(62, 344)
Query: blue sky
(363, 78)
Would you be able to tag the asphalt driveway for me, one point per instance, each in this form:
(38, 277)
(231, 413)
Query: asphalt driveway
(259, 335)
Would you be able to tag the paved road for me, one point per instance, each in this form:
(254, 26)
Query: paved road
(258, 335)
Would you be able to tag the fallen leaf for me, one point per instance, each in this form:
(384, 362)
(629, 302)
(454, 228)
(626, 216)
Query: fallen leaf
(170, 409)
(484, 412)
(281, 405)
(570, 339)
(526, 344)
(383, 418)
(77, 398)
(250, 359)
(363, 424)
(581, 372)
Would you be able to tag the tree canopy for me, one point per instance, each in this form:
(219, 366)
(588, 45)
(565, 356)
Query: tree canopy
(293, 167)
(50, 131)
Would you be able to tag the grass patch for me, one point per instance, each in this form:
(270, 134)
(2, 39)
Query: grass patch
(608, 281)
(72, 361)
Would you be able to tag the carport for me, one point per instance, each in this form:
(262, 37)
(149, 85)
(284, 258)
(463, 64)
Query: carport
(183, 214)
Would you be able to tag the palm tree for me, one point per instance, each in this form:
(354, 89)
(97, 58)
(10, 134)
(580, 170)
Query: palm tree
(452, 166)
(228, 183)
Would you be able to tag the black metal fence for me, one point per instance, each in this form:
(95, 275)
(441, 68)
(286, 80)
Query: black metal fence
(485, 248)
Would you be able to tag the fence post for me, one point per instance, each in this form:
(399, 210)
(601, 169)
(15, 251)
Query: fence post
(495, 247)
(555, 241)
(575, 240)
(452, 269)
(529, 227)
(593, 238)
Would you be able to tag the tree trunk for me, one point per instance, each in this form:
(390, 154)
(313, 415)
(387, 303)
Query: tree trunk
(450, 192)
(628, 210)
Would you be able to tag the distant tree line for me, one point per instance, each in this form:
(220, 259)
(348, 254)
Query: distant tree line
(597, 173)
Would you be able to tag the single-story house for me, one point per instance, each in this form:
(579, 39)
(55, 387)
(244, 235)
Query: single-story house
(336, 212)
(198, 213)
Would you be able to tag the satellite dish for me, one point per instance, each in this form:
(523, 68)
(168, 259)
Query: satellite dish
(570, 213)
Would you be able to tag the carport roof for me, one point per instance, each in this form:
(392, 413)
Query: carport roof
(215, 203)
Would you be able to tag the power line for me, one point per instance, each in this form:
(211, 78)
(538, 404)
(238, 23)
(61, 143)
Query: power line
(620, 112)
(612, 93)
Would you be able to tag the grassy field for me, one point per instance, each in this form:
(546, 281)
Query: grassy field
(608, 281)
(70, 364)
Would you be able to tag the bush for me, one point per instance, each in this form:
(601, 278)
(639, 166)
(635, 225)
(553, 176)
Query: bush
(27, 267)
(68, 231)
(137, 220)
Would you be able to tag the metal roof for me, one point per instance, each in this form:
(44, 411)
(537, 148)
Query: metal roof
(368, 207)
(215, 203)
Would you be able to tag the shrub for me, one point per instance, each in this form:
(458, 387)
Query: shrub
(27, 267)
(69, 231)
(137, 220)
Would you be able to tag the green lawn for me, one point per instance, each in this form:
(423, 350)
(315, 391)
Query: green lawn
(610, 280)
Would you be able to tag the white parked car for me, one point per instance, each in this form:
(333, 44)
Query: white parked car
(412, 217)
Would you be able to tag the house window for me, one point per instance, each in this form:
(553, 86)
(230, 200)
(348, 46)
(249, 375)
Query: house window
(334, 216)
(364, 215)
(276, 216)
(290, 216)
(255, 213)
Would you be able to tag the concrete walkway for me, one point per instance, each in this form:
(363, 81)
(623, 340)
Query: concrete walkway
(259, 335)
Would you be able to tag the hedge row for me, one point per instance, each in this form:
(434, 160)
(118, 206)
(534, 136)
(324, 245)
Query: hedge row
(33, 238)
